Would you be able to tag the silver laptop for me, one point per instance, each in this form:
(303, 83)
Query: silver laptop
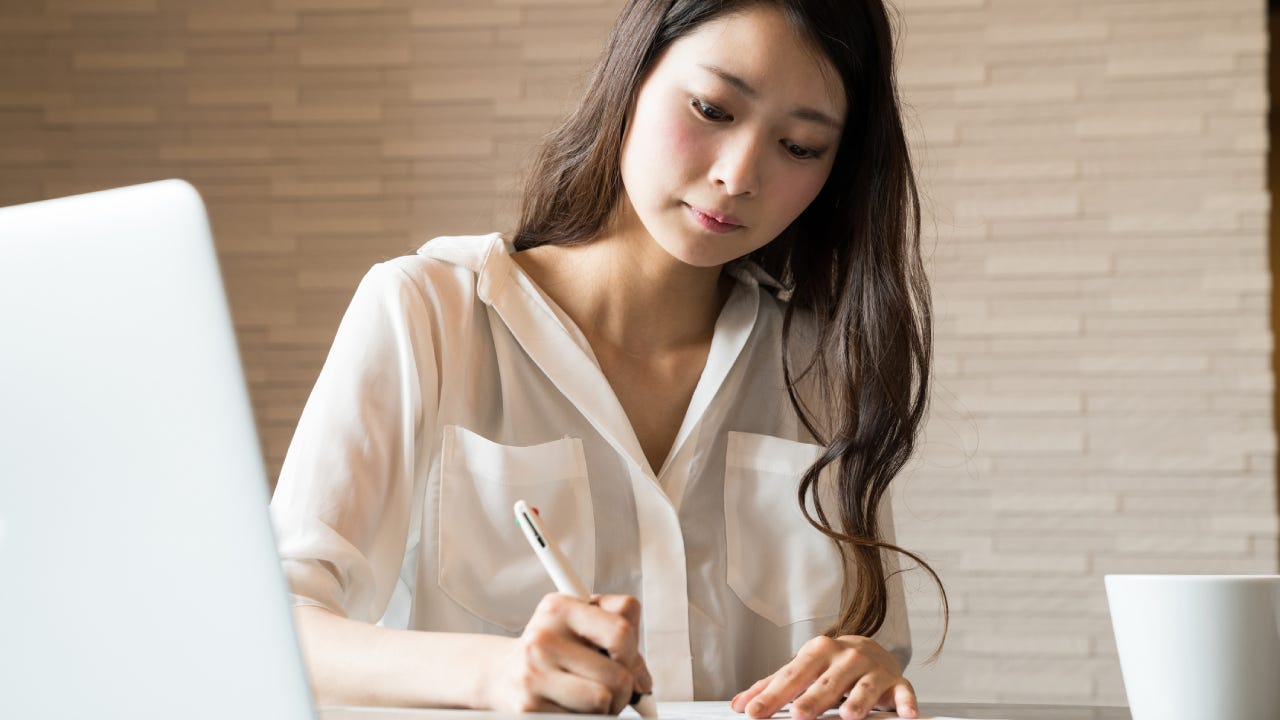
(138, 573)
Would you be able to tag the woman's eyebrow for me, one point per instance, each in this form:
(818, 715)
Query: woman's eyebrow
(744, 87)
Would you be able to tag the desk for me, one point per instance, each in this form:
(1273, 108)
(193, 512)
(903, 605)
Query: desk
(1026, 712)
(959, 710)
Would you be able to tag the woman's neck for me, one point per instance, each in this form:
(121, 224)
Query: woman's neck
(624, 290)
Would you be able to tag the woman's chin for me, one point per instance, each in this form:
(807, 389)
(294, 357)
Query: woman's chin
(702, 252)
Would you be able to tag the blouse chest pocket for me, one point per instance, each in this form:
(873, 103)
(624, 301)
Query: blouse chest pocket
(779, 565)
(486, 565)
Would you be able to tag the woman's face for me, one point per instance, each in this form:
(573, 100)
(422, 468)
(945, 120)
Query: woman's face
(732, 135)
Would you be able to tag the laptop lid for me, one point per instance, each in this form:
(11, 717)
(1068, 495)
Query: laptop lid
(140, 578)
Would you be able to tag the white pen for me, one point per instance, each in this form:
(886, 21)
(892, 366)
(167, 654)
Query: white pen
(566, 581)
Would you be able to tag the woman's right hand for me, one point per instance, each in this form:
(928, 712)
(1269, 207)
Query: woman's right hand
(557, 665)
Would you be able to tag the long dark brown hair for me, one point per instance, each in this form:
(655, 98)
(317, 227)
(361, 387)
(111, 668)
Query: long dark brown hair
(850, 263)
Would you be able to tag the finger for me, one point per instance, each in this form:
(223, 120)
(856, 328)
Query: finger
(625, 646)
(824, 694)
(629, 608)
(552, 612)
(578, 694)
(555, 647)
(590, 664)
(900, 697)
(607, 630)
(542, 705)
(643, 679)
(739, 702)
(624, 605)
(863, 696)
(785, 686)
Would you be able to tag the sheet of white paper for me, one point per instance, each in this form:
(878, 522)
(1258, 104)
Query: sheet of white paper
(666, 711)
(722, 711)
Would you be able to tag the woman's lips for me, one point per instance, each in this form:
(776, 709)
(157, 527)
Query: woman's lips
(714, 221)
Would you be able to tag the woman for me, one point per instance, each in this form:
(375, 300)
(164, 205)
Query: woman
(703, 355)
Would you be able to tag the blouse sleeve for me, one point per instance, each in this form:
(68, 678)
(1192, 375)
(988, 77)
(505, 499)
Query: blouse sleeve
(343, 504)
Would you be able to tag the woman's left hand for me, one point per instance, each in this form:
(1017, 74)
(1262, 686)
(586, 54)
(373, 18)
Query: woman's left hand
(826, 670)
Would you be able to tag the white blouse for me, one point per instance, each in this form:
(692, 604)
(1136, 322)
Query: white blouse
(455, 387)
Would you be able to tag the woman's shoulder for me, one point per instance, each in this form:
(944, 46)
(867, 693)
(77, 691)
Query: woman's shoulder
(445, 267)
(435, 286)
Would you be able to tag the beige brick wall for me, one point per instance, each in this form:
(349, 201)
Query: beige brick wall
(325, 135)
(1097, 214)
(1096, 181)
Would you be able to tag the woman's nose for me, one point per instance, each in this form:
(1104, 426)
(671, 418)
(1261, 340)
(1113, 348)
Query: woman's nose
(737, 166)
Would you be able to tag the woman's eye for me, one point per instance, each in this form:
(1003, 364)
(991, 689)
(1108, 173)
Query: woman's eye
(710, 112)
(800, 151)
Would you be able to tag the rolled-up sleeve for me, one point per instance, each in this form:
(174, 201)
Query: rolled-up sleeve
(343, 504)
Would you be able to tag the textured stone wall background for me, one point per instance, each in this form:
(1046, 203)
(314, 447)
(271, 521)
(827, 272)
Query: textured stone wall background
(1094, 172)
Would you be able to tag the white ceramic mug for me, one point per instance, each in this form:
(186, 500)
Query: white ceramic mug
(1198, 646)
